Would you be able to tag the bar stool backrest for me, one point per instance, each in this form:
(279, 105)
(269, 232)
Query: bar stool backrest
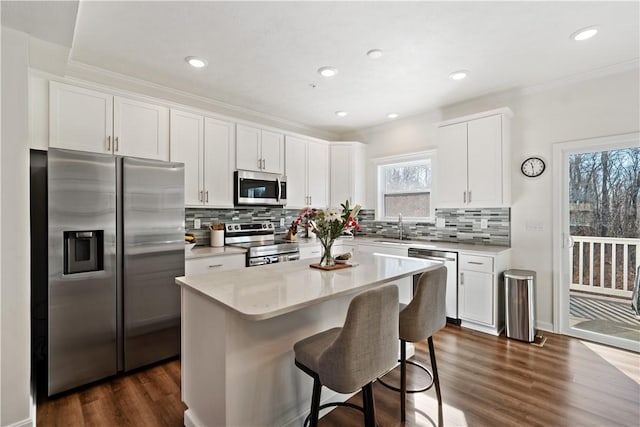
(426, 313)
(367, 346)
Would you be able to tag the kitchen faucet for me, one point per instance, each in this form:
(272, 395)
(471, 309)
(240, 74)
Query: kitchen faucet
(400, 226)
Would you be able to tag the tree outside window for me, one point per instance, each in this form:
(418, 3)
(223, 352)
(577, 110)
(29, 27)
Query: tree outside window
(405, 188)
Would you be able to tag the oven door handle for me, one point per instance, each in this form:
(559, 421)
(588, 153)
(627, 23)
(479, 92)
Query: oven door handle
(279, 189)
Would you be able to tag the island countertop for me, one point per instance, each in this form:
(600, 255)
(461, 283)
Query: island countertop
(264, 292)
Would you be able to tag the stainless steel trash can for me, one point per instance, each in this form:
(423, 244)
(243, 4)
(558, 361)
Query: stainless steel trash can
(519, 304)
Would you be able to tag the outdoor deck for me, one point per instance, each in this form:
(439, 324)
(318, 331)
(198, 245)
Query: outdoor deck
(606, 315)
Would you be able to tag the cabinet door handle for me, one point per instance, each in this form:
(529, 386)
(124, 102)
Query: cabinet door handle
(464, 197)
(206, 196)
(476, 262)
(109, 143)
(310, 201)
(116, 144)
(264, 164)
(469, 196)
(200, 196)
(215, 265)
(259, 163)
(461, 278)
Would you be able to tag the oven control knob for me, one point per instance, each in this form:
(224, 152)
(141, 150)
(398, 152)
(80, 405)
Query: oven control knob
(229, 227)
(236, 227)
(264, 225)
(270, 225)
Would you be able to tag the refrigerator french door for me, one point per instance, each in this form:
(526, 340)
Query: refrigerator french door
(115, 245)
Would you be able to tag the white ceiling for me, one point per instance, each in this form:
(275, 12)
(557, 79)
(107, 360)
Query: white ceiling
(263, 56)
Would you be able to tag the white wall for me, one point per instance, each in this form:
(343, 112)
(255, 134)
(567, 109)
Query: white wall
(14, 228)
(601, 106)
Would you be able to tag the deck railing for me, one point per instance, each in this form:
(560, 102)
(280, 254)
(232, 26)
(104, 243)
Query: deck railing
(604, 265)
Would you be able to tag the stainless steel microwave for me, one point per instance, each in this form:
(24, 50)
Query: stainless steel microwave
(259, 189)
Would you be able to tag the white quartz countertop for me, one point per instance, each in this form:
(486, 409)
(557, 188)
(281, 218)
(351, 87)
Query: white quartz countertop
(424, 244)
(268, 291)
(207, 251)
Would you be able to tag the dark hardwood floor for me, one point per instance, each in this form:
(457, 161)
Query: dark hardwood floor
(486, 381)
(149, 397)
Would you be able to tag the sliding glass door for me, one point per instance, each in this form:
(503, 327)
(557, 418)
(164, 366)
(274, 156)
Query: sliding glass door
(597, 243)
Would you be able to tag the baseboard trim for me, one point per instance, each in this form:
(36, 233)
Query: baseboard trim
(544, 326)
(24, 423)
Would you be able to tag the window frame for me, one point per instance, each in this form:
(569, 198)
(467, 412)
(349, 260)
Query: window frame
(417, 157)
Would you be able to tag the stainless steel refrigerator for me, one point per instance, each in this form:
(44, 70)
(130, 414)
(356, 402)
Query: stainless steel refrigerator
(114, 244)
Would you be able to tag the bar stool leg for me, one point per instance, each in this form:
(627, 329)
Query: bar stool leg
(436, 379)
(403, 379)
(369, 406)
(315, 402)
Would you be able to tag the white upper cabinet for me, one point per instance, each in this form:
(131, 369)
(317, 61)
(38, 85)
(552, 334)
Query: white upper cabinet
(218, 162)
(80, 119)
(318, 173)
(296, 172)
(140, 129)
(272, 152)
(473, 161)
(89, 120)
(205, 146)
(187, 146)
(248, 152)
(347, 173)
(259, 150)
(307, 171)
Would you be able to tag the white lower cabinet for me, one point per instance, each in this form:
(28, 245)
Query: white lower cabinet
(311, 251)
(476, 297)
(314, 250)
(214, 263)
(481, 293)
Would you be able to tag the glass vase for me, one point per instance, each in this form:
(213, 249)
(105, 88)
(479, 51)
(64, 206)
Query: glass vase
(327, 259)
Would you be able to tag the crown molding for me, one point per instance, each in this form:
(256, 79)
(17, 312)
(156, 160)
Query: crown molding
(90, 72)
(581, 77)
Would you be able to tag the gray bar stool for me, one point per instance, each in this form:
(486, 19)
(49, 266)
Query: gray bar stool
(352, 357)
(419, 320)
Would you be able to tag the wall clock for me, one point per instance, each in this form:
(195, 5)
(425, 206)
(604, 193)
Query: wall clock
(532, 167)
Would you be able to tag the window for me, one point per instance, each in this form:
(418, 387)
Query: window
(404, 187)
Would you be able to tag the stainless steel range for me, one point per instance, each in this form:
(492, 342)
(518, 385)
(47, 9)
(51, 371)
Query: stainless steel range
(260, 241)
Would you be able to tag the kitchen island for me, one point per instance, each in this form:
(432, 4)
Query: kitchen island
(239, 327)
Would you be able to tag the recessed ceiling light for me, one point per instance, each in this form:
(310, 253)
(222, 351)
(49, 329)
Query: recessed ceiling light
(458, 75)
(196, 62)
(584, 33)
(327, 71)
(374, 53)
(341, 113)
(392, 115)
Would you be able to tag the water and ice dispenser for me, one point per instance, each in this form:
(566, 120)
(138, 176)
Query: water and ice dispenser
(83, 251)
